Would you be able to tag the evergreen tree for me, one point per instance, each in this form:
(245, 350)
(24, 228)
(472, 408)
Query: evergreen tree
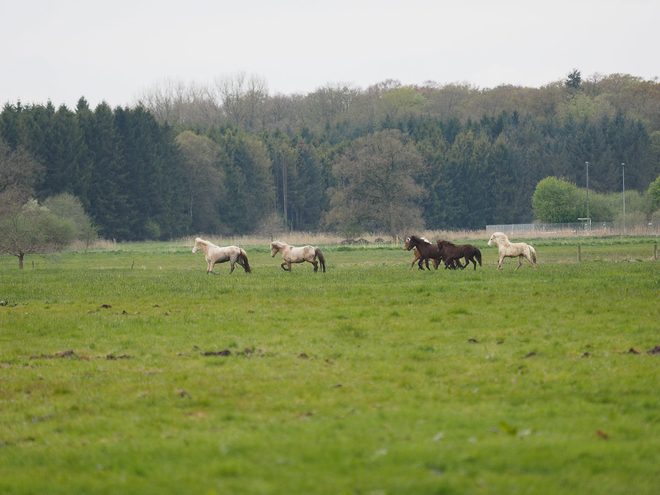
(109, 200)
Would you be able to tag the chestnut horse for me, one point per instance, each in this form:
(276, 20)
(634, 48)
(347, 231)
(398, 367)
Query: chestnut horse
(215, 254)
(451, 251)
(426, 251)
(292, 254)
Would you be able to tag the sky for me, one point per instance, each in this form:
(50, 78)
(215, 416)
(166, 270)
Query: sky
(61, 50)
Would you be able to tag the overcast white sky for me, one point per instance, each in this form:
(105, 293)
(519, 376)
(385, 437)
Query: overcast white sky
(60, 50)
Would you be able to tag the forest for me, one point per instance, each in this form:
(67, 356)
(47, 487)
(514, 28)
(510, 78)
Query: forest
(229, 158)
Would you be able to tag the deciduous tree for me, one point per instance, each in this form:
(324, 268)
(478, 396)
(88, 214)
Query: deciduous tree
(19, 170)
(203, 175)
(377, 187)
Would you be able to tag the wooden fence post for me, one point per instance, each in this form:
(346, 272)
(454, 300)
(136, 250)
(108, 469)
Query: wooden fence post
(579, 252)
(655, 252)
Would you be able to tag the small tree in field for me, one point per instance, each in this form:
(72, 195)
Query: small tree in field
(31, 229)
(271, 226)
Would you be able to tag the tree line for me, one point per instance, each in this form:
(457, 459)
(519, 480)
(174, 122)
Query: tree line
(230, 158)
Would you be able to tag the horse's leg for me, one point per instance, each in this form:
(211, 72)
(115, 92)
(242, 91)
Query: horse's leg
(283, 265)
(232, 264)
(210, 269)
(499, 263)
(530, 260)
(316, 265)
(520, 261)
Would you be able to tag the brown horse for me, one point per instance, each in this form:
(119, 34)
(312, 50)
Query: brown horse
(418, 257)
(427, 251)
(451, 251)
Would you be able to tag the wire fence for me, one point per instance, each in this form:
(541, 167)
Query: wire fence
(598, 228)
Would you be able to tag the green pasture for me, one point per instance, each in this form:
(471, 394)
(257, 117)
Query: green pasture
(129, 370)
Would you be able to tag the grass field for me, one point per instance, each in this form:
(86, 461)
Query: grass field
(127, 369)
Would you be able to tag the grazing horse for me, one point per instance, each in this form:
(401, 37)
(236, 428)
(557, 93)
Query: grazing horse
(215, 254)
(511, 250)
(418, 257)
(426, 250)
(454, 252)
(292, 254)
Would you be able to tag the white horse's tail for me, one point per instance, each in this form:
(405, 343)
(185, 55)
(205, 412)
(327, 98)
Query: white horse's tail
(246, 265)
(321, 258)
(532, 253)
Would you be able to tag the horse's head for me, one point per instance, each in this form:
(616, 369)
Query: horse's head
(200, 245)
(413, 241)
(441, 244)
(496, 238)
(275, 248)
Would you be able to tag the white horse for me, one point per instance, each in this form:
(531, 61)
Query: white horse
(215, 254)
(511, 250)
(292, 254)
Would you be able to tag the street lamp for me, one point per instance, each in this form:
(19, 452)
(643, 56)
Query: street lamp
(587, 163)
(623, 178)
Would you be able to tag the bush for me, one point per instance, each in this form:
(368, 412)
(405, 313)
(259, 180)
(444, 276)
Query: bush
(69, 207)
(556, 201)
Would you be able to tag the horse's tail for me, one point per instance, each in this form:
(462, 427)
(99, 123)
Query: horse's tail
(477, 255)
(321, 258)
(532, 253)
(246, 265)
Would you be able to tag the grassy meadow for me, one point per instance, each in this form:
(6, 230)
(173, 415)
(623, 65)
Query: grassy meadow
(127, 369)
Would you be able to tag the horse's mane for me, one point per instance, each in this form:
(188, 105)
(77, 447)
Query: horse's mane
(448, 242)
(199, 240)
(422, 239)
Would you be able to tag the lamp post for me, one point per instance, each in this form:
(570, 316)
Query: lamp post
(623, 178)
(587, 164)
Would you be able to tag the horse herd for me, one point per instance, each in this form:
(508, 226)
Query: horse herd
(442, 251)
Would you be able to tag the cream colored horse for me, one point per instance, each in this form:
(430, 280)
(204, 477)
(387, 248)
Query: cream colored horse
(215, 254)
(292, 254)
(511, 250)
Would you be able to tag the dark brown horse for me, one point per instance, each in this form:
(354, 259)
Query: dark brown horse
(451, 251)
(427, 251)
(418, 257)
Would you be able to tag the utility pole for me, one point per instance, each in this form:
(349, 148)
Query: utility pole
(623, 178)
(589, 218)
